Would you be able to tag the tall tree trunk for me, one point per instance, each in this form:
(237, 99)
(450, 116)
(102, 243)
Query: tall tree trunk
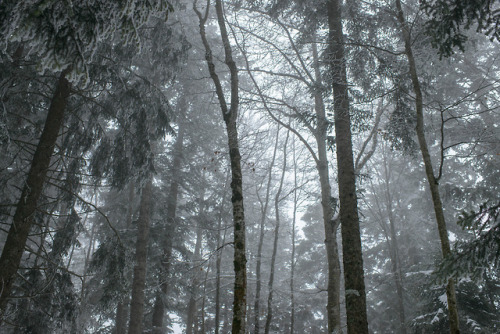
(275, 244)
(264, 207)
(292, 262)
(355, 294)
(141, 252)
(230, 115)
(23, 217)
(429, 171)
(330, 225)
(159, 305)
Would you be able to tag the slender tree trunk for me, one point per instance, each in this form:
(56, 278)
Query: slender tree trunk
(275, 244)
(264, 209)
(192, 307)
(433, 183)
(122, 307)
(394, 251)
(204, 299)
(159, 305)
(330, 225)
(396, 272)
(217, 286)
(230, 115)
(220, 244)
(141, 252)
(292, 262)
(23, 217)
(355, 294)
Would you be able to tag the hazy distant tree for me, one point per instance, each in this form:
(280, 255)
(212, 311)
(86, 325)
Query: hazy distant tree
(141, 253)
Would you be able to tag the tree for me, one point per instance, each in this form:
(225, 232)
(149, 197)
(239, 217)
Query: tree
(449, 17)
(50, 29)
(141, 250)
(277, 199)
(229, 115)
(355, 294)
(431, 178)
(264, 209)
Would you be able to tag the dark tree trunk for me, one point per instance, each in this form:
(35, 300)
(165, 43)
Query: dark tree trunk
(230, 115)
(355, 294)
(141, 252)
(23, 217)
(159, 305)
(433, 182)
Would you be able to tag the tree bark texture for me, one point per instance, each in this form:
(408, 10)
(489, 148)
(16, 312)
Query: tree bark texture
(141, 252)
(159, 305)
(355, 294)
(230, 115)
(17, 237)
(429, 171)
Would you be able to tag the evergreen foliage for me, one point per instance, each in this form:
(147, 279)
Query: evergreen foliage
(449, 19)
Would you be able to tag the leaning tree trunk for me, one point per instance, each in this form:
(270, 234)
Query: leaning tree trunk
(159, 305)
(23, 217)
(429, 171)
(355, 294)
(230, 115)
(141, 252)
(275, 244)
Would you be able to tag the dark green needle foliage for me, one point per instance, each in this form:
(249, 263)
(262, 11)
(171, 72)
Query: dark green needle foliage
(449, 19)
